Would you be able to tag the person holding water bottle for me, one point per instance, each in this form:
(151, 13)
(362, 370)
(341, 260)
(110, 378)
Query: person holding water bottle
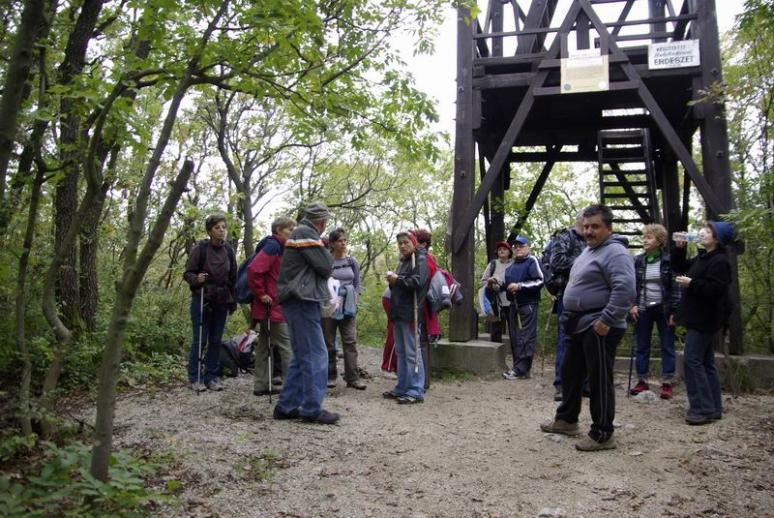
(704, 311)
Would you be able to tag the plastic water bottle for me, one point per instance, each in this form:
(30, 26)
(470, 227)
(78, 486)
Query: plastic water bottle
(690, 237)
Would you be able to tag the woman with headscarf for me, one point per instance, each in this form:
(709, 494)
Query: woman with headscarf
(704, 311)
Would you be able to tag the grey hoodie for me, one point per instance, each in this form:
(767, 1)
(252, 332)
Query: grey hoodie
(601, 285)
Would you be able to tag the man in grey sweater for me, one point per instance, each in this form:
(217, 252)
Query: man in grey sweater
(596, 300)
(301, 287)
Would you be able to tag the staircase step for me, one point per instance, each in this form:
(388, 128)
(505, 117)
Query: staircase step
(636, 183)
(622, 134)
(619, 195)
(625, 172)
(622, 160)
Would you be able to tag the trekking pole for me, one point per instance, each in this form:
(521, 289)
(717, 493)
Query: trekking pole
(201, 327)
(631, 362)
(416, 321)
(269, 356)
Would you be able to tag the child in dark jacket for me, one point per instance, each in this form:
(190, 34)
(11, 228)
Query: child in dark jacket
(523, 281)
(408, 287)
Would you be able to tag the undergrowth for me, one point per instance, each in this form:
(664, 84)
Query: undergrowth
(58, 483)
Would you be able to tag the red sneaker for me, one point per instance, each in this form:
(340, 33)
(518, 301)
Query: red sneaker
(666, 391)
(641, 386)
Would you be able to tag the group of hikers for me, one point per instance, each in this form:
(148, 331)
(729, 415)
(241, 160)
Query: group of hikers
(305, 288)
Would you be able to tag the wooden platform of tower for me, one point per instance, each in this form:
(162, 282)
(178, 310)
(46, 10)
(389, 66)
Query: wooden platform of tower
(511, 109)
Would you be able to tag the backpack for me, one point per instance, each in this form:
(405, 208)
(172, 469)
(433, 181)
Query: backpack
(555, 281)
(242, 289)
(444, 291)
(238, 354)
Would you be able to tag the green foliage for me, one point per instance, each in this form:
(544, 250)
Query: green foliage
(60, 485)
(15, 445)
(749, 96)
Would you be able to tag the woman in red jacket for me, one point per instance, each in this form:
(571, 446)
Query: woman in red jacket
(265, 310)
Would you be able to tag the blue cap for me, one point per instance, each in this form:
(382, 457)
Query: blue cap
(521, 240)
(724, 231)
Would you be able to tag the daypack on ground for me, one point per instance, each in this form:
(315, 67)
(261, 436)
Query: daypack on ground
(444, 291)
(242, 288)
(238, 354)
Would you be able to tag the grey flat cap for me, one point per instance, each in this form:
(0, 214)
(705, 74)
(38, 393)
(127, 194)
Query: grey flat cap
(317, 211)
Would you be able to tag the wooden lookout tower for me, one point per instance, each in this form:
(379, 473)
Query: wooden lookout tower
(620, 83)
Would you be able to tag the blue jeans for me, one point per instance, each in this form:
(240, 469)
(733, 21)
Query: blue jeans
(702, 382)
(305, 381)
(410, 382)
(212, 336)
(560, 343)
(644, 330)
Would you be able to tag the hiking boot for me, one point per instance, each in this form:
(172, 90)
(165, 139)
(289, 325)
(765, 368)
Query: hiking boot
(699, 420)
(264, 392)
(410, 400)
(558, 394)
(641, 386)
(389, 394)
(324, 417)
(511, 375)
(559, 426)
(666, 391)
(197, 386)
(357, 384)
(589, 444)
(523, 376)
(215, 385)
(282, 416)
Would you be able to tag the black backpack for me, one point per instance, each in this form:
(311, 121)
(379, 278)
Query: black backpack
(238, 355)
(555, 281)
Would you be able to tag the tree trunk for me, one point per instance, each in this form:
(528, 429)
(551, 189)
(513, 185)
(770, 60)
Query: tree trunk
(25, 417)
(125, 293)
(135, 266)
(71, 157)
(17, 73)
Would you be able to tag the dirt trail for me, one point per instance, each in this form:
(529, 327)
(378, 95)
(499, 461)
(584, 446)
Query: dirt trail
(473, 449)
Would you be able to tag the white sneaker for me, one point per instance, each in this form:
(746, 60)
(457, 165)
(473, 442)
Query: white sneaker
(510, 375)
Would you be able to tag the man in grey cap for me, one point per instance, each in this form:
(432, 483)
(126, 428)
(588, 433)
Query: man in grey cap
(301, 287)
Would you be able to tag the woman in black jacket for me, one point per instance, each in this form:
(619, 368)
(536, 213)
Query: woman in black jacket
(211, 273)
(704, 311)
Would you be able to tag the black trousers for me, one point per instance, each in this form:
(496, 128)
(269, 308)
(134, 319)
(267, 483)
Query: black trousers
(589, 355)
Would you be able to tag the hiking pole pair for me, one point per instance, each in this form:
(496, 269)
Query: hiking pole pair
(199, 359)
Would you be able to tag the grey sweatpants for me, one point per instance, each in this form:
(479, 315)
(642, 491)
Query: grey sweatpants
(278, 331)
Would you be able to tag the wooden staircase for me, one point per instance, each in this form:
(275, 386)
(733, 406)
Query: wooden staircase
(627, 181)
